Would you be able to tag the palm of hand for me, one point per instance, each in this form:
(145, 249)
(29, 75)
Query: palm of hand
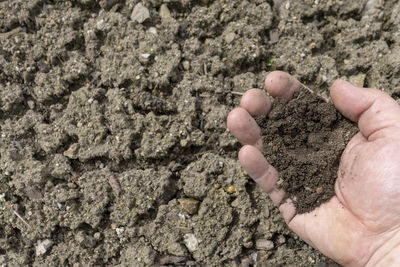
(365, 213)
(359, 224)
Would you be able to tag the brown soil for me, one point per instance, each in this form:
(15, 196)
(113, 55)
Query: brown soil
(304, 139)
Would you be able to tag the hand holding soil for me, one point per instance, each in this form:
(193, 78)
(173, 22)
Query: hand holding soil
(360, 224)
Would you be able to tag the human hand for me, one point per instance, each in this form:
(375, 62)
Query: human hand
(360, 225)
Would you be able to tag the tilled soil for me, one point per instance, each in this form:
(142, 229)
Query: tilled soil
(113, 144)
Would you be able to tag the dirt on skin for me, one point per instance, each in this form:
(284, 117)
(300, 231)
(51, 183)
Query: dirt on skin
(112, 130)
(304, 139)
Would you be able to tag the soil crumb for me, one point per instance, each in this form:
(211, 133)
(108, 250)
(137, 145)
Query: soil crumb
(304, 139)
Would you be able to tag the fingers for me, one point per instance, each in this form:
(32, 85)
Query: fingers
(244, 127)
(376, 113)
(256, 102)
(266, 177)
(281, 85)
(258, 168)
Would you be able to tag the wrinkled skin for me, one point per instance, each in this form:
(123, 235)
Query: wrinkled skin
(360, 225)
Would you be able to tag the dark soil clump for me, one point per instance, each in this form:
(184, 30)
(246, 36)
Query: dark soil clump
(304, 139)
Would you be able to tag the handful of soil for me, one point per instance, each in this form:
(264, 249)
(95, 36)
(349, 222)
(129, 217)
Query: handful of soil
(304, 139)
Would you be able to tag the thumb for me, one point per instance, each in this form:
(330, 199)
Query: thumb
(377, 114)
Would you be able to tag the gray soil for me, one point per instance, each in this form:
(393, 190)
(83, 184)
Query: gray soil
(113, 144)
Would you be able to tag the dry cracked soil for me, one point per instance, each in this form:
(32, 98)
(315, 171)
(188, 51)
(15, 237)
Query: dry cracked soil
(113, 144)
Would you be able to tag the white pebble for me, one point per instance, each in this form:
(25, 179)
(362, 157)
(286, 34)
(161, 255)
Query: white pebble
(264, 244)
(60, 206)
(287, 6)
(101, 25)
(43, 246)
(153, 30)
(119, 230)
(191, 242)
(140, 13)
(145, 56)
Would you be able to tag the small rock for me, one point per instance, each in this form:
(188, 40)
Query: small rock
(231, 189)
(72, 151)
(183, 143)
(71, 185)
(19, 145)
(186, 65)
(358, 80)
(273, 36)
(266, 211)
(31, 104)
(254, 257)
(264, 244)
(191, 242)
(287, 6)
(60, 206)
(97, 236)
(3, 259)
(235, 203)
(229, 37)
(140, 13)
(165, 14)
(319, 190)
(153, 30)
(216, 186)
(228, 180)
(189, 205)
(102, 26)
(43, 246)
(281, 240)
(119, 230)
(145, 56)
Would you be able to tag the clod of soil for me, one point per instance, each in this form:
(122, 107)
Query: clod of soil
(304, 139)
